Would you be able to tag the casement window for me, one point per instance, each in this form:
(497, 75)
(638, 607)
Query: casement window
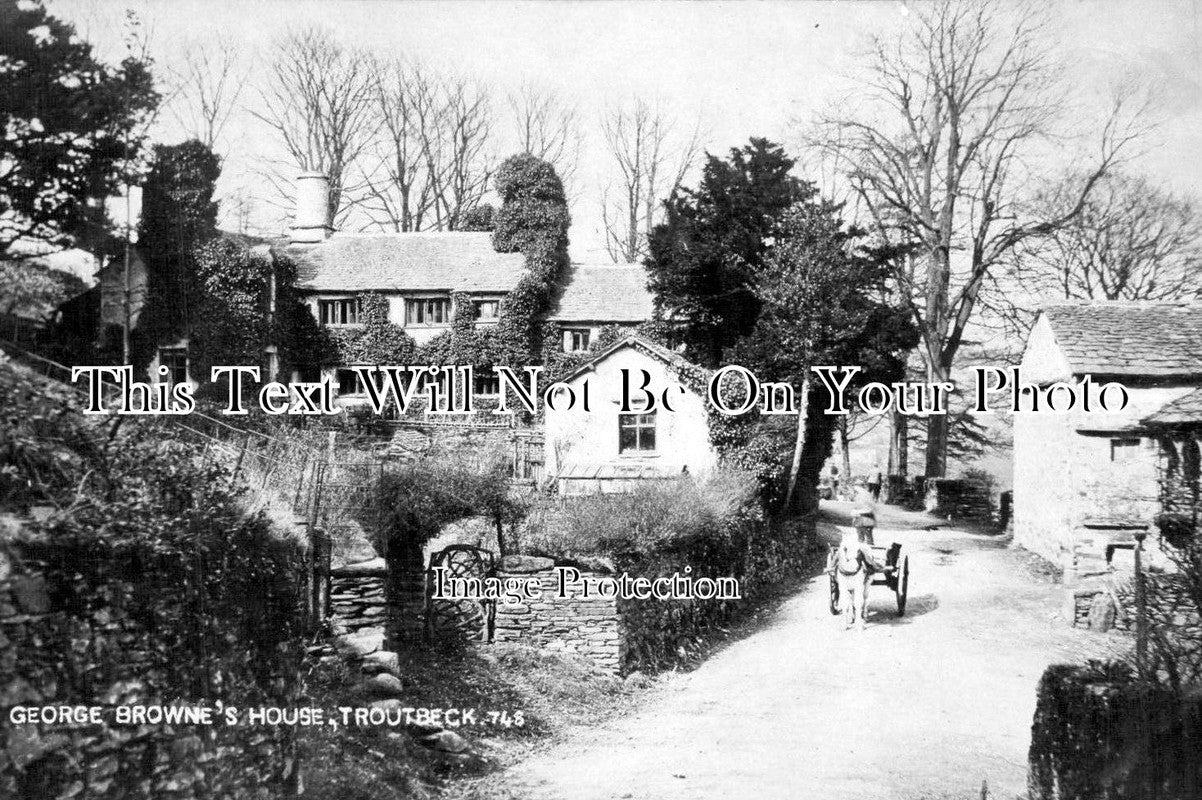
(427, 311)
(487, 310)
(348, 382)
(636, 433)
(486, 382)
(1125, 449)
(309, 374)
(339, 312)
(576, 340)
(175, 359)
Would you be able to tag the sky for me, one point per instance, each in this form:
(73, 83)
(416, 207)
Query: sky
(738, 69)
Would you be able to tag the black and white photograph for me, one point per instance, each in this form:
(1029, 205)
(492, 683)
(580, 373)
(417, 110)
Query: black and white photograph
(585, 400)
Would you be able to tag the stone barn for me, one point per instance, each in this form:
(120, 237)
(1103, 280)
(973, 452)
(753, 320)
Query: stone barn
(604, 449)
(1085, 483)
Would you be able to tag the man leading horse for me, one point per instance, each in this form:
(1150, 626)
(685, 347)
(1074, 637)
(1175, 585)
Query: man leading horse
(854, 565)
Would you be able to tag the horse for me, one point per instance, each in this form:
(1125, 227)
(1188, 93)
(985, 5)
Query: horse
(854, 565)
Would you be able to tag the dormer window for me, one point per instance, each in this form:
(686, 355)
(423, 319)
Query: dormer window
(427, 311)
(487, 310)
(339, 312)
(576, 340)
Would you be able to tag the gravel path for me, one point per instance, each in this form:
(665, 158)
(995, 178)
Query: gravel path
(924, 706)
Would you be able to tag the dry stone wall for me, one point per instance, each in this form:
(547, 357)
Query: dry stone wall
(586, 626)
(111, 638)
(625, 635)
(1172, 614)
(958, 498)
(357, 594)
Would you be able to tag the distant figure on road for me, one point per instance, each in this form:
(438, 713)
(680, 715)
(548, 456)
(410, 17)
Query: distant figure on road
(874, 488)
(854, 565)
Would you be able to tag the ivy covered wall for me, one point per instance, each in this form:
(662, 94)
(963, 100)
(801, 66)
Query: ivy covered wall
(533, 220)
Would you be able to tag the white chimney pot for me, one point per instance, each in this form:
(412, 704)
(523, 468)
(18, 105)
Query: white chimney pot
(311, 224)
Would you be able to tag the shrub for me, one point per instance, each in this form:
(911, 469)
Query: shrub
(656, 516)
(1178, 529)
(1100, 734)
(157, 585)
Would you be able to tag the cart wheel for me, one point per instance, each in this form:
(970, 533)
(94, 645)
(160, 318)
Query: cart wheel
(903, 585)
(834, 595)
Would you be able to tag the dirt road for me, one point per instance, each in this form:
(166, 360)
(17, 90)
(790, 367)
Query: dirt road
(924, 706)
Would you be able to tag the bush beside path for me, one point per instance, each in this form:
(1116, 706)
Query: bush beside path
(924, 706)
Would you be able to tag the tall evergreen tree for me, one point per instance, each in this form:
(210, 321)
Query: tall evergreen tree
(73, 124)
(824, 300)
(178, 216)
(706, 253)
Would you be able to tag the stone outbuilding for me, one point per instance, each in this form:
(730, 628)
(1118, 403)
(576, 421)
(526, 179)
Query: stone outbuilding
(1086, 483)
(604, 449)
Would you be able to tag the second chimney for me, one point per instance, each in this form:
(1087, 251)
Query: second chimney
(311, 224)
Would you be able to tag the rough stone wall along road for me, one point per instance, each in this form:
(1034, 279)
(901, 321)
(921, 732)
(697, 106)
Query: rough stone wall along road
(923, 706)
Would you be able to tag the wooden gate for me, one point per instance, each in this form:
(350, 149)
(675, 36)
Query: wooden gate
(469, 620)
(528, 456)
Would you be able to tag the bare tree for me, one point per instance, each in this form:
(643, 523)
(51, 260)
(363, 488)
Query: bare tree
(962, 105)
(547, 126)
(318, 101)
(431, 160)
(651, 165)
(399, 193)
(1132, 241)
(457, 149)
(208, 86)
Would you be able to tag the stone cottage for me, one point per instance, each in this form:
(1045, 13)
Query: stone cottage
(604, 449)
(1085, 483)
(416, 272)
(598, 295)
(421, 273)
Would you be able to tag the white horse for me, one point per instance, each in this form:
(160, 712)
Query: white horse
(854, 564)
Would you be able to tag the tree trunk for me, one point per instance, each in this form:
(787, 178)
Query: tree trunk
(503, 547)
(899, 458)
(936, 466)
(843, 425)
(937, 429)
(404, 595)
(800, 443)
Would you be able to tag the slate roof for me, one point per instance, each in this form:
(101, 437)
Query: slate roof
(604, 293)
(435, 262)
(673, 360)
(1182, 411)
(1132, 339)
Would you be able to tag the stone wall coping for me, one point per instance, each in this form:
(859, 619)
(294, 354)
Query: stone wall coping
(363, 569)
(519, 565)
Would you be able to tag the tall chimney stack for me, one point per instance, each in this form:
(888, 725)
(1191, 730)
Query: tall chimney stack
(311, 223)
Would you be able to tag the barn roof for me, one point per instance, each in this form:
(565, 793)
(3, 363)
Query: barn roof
(1133, 339)
(1186, 410)
(604, 293)
(684, 369)
(426, 261)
